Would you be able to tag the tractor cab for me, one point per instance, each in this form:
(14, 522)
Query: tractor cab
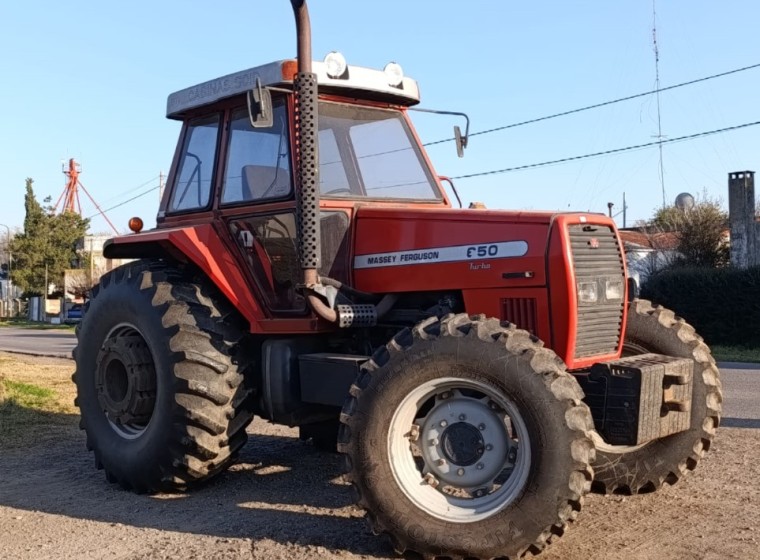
(368, 150)
(236, 162)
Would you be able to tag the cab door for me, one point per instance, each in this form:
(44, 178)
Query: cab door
(256, 202)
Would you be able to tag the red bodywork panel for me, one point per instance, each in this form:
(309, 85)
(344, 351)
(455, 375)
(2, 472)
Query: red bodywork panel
(202, 246)
(385, 230)
(433, 250)
(398, 249)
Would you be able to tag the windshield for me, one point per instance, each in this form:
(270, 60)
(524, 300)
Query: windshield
(370, 153)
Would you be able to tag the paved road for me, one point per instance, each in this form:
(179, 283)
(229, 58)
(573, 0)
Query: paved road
(39, 342)
(741, 395)
(741, 382)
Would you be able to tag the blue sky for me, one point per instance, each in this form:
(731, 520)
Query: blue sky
(90, 79)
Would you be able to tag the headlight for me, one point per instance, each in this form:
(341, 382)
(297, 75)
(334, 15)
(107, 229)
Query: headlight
(335, 64)
(587, 292)
(613, 290)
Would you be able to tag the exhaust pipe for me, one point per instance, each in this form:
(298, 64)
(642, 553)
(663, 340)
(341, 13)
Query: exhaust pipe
(307, 150)
(307, 161)
(307, 189)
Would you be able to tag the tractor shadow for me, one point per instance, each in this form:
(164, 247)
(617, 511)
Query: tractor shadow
(281, 489)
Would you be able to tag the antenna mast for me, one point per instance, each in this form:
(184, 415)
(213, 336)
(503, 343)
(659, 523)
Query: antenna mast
(70, 194)
(657, 96)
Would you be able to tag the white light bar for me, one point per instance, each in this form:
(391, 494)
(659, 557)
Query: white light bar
(358, 79)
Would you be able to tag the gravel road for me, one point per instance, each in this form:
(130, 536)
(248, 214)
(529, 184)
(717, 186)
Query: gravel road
(285, 500)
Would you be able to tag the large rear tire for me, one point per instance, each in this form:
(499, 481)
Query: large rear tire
(466, 438)
(159, 385)
(645, 468)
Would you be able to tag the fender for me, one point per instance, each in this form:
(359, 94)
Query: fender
(200, 245)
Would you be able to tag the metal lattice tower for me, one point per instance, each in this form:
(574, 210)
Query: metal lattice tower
(70, 194)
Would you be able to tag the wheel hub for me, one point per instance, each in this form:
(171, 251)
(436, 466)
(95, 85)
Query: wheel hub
(126, 381)
(462, 444)
(465, 442)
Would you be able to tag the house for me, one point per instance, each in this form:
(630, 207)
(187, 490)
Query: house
(646, 252)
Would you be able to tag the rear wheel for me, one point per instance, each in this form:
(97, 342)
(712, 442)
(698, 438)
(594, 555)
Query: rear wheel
(645, 468)
(159, 384)
(466, 438)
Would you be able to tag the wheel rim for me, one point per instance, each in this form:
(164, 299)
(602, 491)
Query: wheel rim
(459, 449)
(126, 381)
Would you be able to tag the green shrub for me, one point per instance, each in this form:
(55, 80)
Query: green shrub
(722, 304)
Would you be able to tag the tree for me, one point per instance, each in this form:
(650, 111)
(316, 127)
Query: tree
(700, 232)
(48, 243)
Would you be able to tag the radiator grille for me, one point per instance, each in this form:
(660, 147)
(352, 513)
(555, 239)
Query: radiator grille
(521, 312)
(597, 257)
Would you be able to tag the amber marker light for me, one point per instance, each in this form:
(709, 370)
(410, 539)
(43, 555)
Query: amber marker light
(136, 224)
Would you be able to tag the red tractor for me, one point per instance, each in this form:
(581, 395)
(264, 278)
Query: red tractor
(481, 369)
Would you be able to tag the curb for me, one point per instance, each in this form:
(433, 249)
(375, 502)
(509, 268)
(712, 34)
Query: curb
(59, 355)
(739, 365)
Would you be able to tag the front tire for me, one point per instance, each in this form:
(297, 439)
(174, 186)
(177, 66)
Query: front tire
(467, 438)
(160, 390)
(645, 468)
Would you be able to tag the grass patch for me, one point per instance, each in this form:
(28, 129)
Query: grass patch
(36, 400)
(736, 354)
(29, 396)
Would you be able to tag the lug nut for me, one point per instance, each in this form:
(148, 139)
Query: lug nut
(414, 432)
(434, 441)
(479, 466)
(481, 427)
(489, 447)
(444, 423)
(462, 417)
(480, 493)
(460, 472)
(441, 462)
(445, 395)
(431, 480)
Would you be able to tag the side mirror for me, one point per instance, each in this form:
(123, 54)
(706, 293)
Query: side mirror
(461, 141)
(260, 106)
(459, 138)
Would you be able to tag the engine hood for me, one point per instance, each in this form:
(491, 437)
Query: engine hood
(401, 249)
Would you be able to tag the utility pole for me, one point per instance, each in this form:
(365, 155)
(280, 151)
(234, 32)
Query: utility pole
(9, 282)
(625, 207)
(609, 208)
(92, 263)
(160, 185)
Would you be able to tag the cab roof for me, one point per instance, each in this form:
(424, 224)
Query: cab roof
(359, 82)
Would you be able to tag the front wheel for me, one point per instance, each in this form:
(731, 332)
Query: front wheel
(645, 468)
(464, 437)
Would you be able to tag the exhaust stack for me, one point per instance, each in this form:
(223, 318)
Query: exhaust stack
(307, 191)
(307, 152)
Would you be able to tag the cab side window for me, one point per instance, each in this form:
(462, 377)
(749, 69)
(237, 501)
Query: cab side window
(195, 173)
(258, 159)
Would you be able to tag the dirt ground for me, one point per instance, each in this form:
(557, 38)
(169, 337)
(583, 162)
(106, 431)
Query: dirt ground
(285, 500)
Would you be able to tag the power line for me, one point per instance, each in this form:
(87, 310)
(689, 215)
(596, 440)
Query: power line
(125, 193)
(603, 104)
(608, 152)
(126, 201)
